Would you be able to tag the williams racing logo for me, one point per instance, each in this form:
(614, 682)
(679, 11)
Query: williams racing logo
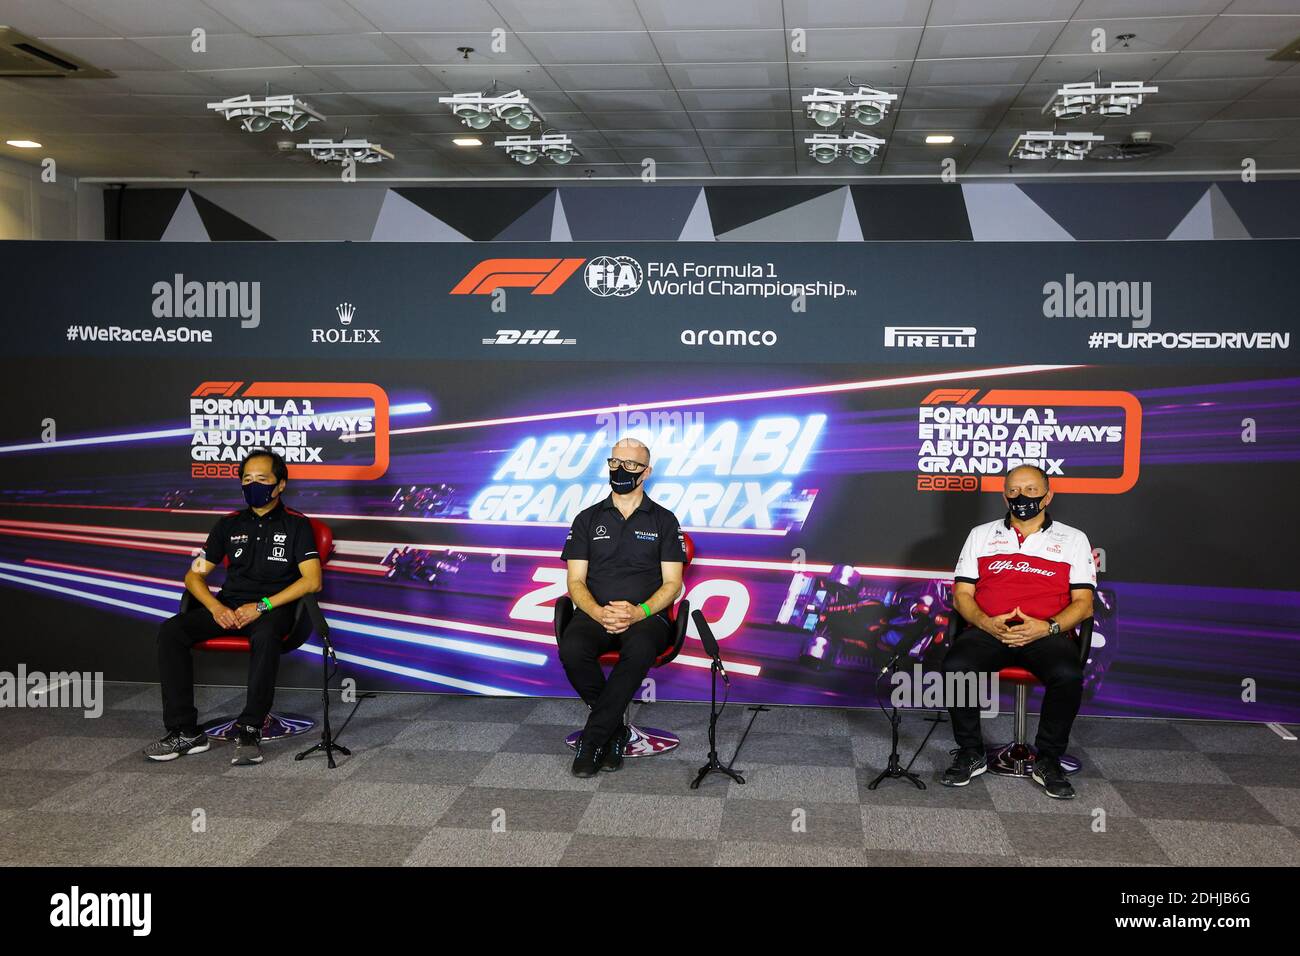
(316, 426)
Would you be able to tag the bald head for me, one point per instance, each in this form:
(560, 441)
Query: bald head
(1028, 480)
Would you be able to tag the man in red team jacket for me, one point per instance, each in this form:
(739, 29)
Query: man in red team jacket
(1022, 583)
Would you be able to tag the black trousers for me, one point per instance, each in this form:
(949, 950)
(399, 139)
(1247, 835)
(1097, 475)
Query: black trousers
(581, 645)
(1053, 660)
(177, 637)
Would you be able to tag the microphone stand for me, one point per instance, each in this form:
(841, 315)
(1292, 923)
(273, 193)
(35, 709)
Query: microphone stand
(715, 765)
(895, 770)
(327, 743)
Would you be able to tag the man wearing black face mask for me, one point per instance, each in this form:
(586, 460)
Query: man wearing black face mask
(272, 562)
(1022, 583)
(625, 557)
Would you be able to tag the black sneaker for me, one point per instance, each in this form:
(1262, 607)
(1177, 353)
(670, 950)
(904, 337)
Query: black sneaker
(1049, 775)
(587, 759)
(966, 764)
(248, 747)
(177, 744)
(615, 750)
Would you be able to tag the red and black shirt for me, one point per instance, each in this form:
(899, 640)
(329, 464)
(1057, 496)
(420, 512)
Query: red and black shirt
(1035, 573)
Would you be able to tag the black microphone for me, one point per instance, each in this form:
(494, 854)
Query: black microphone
(710, 643)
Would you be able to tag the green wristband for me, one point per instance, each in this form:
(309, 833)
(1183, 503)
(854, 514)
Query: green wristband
(266, 603)
(646, 609)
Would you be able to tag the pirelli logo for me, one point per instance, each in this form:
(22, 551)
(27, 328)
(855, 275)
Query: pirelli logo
(543, 276)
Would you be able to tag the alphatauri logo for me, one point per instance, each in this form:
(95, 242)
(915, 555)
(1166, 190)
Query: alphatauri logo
(180, 299)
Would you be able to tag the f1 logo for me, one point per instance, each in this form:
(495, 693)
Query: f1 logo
(543, 276)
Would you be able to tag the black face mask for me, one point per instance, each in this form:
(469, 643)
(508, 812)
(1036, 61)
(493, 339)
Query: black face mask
(259, 495)
(1024, 507)
(623, 481)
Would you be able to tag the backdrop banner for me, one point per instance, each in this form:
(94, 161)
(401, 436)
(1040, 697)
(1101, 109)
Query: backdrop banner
(827, 421)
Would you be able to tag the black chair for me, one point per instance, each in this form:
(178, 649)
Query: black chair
(1016, 759)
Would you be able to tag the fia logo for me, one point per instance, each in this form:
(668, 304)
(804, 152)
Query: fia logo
(613, 275)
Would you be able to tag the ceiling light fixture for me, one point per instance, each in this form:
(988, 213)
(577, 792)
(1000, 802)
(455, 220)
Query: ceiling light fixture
(1050, 145)
(939, 138)
(825, 148)
(23, 143)
(525, 150)
(357, 150)
(1119, 98)
(478, 110)
(257, 115)
(467, 141)
(867, 106)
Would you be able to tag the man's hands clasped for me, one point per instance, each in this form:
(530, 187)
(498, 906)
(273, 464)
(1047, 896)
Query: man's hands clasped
(232, 619)
(1029, 629)
(617, 616)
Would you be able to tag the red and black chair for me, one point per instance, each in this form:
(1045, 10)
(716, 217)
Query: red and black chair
(306, 619)
(642, 741)
(1016, 759)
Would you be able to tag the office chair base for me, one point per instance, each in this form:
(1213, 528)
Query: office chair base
(1017, 760)
(275, 727)
(643, 742)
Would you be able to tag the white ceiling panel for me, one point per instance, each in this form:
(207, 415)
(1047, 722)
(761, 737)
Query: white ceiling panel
(728, 76)
(714, 15)
(419, 16)
(834, 14)
(721, 46)
(709, 85)
(568, 16)
(994, 70)
(1164, 34)
(999, 40)
(945, 12)
(291, 17)
(567, 48)
(1248, 33)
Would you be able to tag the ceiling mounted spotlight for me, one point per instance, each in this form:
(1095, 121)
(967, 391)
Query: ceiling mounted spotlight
(1119, 98)
(867, 106)
(478, 110)
(257, 115)
(557, 147)
(859, 147)
(1050, 145)
(357, 150)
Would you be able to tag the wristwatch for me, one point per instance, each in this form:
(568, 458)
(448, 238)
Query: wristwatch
(1052, 627)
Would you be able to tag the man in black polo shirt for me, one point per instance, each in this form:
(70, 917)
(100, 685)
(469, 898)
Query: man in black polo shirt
(272, 562)
(625, 557)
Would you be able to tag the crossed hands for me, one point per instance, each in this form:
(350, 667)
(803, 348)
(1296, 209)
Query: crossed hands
(617, 616)
(1029, 630)
(232, 619)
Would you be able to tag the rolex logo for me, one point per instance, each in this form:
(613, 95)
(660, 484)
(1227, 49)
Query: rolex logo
(345, 312)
